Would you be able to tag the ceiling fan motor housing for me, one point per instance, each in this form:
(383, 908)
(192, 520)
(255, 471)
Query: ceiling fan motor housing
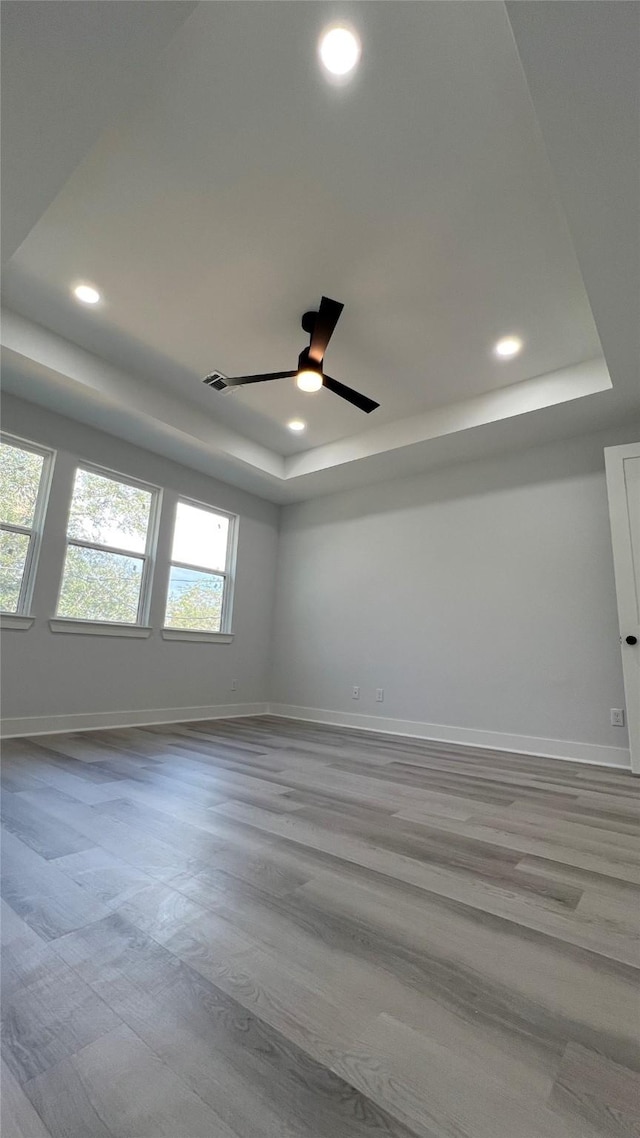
(305, 364)
(308, 322)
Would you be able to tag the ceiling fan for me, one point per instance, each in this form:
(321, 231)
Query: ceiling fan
(309, 374)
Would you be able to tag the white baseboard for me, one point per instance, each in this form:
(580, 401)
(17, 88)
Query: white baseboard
(492, 740)
(466, 736)
(100, 720)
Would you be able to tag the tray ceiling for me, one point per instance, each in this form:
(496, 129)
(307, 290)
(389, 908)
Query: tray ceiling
(239, 186)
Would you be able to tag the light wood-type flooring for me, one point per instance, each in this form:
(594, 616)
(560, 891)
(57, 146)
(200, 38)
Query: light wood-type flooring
(259, 928)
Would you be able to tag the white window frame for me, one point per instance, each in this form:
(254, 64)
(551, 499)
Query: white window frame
(62, 623)
(225, 634)
(34, 531)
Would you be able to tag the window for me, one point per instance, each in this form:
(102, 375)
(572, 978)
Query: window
(109, 541)
(199, 596)
(24, 484)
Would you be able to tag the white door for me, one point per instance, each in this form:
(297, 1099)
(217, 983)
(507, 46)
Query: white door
(623, 487)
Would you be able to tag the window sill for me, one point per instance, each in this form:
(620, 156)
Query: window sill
(197, 635)
(99, 628)
(14, 620)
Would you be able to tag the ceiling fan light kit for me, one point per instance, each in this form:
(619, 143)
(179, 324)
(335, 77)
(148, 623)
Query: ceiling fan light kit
(309, 374)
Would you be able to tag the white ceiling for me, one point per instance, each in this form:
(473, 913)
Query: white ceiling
(68, 69)
(239, 186)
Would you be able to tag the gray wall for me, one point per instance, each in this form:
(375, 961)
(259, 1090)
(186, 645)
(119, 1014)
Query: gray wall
(480, 596)
(49, 674)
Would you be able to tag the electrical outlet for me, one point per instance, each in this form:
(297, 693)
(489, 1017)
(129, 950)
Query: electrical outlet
(355, 692)
(234, 685)
(379, 695)
(617, 717)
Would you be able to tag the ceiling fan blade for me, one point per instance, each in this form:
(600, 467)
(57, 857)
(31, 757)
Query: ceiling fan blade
(325, 322)
(240, 380)
(362, 402)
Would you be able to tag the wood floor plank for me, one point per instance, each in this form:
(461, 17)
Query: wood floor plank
(126, 1092)
(44, 897)
(42, 772)
(591, 855)
(478, 893)
(61, 1098)
(581, 878)
(535, 981)
(26, 957)
(259, 928)
(18, 1118)
(103, 875)
(596, 1091)
(143, 851)
(191, 840)
(48, 836)
(355, 982)
(129, 971)
(453, 1094)
(53, 1017)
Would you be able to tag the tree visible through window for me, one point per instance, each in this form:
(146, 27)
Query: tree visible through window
(198, 580)
(108, 544)
(22, 493)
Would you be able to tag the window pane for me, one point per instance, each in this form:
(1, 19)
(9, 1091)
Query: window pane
(13, 555)
(194, 600)
(200, 537)
(100, 586)
(109, 512)
(20, 472)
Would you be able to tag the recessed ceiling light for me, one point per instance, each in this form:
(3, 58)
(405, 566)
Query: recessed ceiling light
(508, 347)
(296, 425)
(87, 294)
(339, 50)
(308, 380)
